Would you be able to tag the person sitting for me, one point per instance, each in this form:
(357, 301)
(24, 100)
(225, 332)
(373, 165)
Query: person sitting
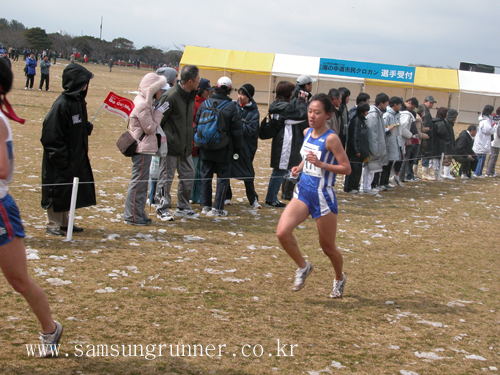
(464, 152)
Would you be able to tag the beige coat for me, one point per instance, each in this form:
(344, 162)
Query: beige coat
(144, 119)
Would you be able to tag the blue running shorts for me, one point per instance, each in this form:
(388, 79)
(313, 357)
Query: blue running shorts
(320, 203)
(10, 221)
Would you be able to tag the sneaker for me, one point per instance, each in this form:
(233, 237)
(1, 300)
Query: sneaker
(353, 191)
(75, 229)
(301, 275)
(338, 287)
(138, 223)
(390, 186)
(256, 204)
(276, 204)
(396, 181)
(380, 188)
(205, 210)
(55, 231)
(227, 202)
(39, 89)
(184, 212)
(26, 88)
(473, 176)
(164, 216)
(216, 212)
(369, 192)
(464, 176)
(50, 342)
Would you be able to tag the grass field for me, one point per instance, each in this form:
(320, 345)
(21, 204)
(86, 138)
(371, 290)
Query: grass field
(422, 293)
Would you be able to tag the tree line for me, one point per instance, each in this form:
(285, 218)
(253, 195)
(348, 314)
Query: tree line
(14, 34)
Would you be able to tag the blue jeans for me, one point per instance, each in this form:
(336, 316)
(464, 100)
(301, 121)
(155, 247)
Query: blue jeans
(480, 164)
(275, 184)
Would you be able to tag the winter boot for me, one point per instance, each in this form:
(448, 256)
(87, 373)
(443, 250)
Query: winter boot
(415, 171)
(426, 174)
(447, 173)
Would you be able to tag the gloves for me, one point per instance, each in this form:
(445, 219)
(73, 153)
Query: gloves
(163, 108)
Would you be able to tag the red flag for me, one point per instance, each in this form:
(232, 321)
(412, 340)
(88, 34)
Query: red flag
(118, 105)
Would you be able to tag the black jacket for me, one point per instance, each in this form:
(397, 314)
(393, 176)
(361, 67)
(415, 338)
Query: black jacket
(463, 144)
(232, 121)
(64, 138)
(427, 144)
(290, 116)
(243, 167)
(439, 136)
(357, 140)
(450, 138)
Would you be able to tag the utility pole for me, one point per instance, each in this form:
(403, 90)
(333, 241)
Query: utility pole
(100, 33)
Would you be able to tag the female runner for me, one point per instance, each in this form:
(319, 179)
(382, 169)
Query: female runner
(322, 158)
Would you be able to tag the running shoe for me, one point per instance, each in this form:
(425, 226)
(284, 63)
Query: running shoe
(227, 202)
(301, 275)
(50, 342)
(277, 204)
(184, 212)
(205, 210)
(164, 216)
(338, 287)
(138, 223)
(216, 212)
(256, 204)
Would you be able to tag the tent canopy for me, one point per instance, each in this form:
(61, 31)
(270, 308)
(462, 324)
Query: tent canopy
(229, 60)
(479, 83)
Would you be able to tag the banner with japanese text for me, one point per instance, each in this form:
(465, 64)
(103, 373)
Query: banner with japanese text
(118, 105)
(399, 73)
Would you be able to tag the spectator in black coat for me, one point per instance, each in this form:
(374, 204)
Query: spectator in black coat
(358, 147)
(464, 152)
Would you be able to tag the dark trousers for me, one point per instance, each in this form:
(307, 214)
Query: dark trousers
(467, 166)
(351, 182)
(386, 173)
(223, 171)
(45, 78)
(30, 78)
(250, 190)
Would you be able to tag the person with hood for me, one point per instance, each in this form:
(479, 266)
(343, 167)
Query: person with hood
(203, 93)
(357, 147)
(449, 149)
(394, 141)
(31, 71)
(495, 148)
(439, 136)
(12, 251)
(242, 167)
(287, 131)
(170, 74)
(377, 145)
(219, 161)
(65, 133)
(144, 121)
(482, 141)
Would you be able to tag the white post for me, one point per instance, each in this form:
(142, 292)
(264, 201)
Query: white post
(441, 165)
(71, 220)
(99, 110)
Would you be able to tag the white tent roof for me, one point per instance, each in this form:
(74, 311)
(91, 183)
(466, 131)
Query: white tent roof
(295, 65)
(479, 83)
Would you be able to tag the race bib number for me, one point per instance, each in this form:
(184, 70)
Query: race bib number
(311, 169)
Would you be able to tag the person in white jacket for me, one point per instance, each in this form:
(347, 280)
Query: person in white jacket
(482, 142)
(495, 148)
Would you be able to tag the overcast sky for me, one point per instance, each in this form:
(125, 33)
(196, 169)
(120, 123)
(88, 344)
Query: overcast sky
(437, 33)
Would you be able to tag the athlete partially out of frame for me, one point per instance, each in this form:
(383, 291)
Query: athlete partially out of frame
(12, 252)
(322, 158)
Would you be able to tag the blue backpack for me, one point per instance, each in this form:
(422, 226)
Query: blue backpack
(211, 132)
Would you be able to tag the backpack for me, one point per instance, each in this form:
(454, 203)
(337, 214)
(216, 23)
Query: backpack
(211, 132)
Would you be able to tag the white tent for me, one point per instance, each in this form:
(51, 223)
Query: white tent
(476, 91)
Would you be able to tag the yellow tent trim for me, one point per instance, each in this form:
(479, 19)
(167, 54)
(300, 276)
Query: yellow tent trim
(229, 60)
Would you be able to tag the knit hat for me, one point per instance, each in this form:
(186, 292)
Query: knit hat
(248, 90)
(452, 114)
(169, 73)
